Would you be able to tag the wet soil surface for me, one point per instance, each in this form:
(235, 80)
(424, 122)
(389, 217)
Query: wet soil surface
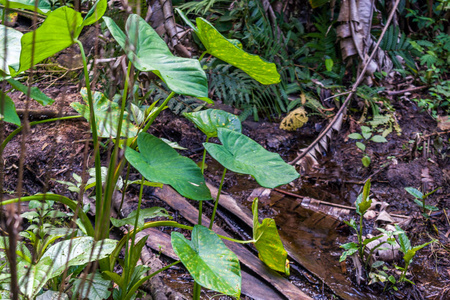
(418, 158)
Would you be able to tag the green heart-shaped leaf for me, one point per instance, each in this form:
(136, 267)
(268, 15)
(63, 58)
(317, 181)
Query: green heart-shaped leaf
(43, 6)
(209, 261)
(241, 154)
(209, 120)
(9, 111)
(268, 242)
(10, 57)
(231, 52)
(58, 32)
(158, 162)
(107, 114)
(150, 53)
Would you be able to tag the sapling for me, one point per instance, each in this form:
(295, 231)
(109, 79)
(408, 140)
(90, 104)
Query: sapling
(420, 199)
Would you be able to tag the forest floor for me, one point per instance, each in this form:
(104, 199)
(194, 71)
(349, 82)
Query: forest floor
(417, 157)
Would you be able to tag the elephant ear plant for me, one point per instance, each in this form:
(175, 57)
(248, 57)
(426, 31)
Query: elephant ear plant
(209, 261)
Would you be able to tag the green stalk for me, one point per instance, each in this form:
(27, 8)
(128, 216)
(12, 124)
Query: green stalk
(157, 112)
(58, 198)
(201, 56)
(92, 121)
(144, 279)
(19, 129)
(360, 245)
(200, 204)
(102, 227)
(217, 198)
(197, 291)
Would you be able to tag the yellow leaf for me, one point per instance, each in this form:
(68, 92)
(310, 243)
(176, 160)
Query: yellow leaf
(296, 119)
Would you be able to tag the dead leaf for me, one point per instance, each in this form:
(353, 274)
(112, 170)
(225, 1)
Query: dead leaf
(296, 119)
(443, 123)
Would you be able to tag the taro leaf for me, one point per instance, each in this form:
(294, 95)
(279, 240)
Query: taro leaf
(9, 110)
(150, 53)
(216, 44)
(13, 48)
(92, 287)
(43, 6)
(95, 13)
(56, 33)
(52, 295)
(231, 52)
(147, 213)
(243, 155)
(77, 251)
(209, 120)
(35, 93)
(268, 242)
(209, 261)
(158, 162)
(33, 277)
(107, 114)
(174, 145)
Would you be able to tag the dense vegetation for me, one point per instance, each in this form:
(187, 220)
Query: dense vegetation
(269, 59)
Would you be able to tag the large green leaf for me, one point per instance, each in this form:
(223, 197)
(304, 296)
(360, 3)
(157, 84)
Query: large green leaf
(92, 287)
(32, 277)
(107, 114)
(209, 261)
(10, 57)
(146, 213)
(268, 242)
(43, 6)
(229, 51)
(158, 162)
(9, 110)
(77, 251)
(35, 93)
(150, 53)
(58, 32)
(209, 120)
(241, 154)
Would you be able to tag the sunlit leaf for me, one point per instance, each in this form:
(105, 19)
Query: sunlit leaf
(241, 154)
(268, 243)
(107, 114)
(209, 120)
(95, 13)
(148, 52)
(209, 261)
(158, 162)
(56, 33)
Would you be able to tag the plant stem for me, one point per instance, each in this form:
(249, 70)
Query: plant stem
(157, 112)
(19, 129)
(197, 291)
(201, 56)
(360, 245)
(217, 198)
(200, 204)
(98, 173)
